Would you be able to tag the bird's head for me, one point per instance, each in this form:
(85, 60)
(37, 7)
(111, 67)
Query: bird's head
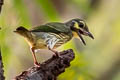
(80, 28)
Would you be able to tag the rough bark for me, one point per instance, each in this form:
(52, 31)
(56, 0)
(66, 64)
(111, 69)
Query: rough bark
(50, 69)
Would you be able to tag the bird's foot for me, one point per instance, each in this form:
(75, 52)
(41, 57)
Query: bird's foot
(56, 54)
(36, 64)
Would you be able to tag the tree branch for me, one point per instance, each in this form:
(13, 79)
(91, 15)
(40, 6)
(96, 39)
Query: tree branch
(1, 64)
(1, 3)
(50, 69)
(1, 68)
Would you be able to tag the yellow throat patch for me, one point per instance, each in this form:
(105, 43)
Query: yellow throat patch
(76, 25)
(75, 33)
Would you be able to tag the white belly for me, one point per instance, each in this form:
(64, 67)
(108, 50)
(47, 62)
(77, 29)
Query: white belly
(45, 40)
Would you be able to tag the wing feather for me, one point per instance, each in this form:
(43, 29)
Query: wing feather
(51, 27)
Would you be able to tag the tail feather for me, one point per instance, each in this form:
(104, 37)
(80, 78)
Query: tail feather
(21, 29)
(25, 33)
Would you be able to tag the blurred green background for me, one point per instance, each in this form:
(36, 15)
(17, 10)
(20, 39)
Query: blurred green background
(98, 60)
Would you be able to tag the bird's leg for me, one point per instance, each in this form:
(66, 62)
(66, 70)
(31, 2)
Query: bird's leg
(34, 57)
(55, 52)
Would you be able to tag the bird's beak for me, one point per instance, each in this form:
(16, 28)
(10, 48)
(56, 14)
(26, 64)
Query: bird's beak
(90, 35)
(79, 34)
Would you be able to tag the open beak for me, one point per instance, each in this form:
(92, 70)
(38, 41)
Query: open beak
(80, 33)
(90, 35)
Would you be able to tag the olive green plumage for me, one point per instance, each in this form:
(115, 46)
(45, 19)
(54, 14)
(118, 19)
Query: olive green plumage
(54, 34)
(41, 37)
(54, 27)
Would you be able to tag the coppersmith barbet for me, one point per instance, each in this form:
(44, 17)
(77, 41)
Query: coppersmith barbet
(54, 34)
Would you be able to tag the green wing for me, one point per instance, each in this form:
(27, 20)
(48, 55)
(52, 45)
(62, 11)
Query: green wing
(51, 27)
(59, 26)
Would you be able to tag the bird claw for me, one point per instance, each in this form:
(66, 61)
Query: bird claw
(56, 55)
(37, 64)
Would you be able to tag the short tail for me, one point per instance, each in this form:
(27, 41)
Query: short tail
(21, 29)
(24, 32)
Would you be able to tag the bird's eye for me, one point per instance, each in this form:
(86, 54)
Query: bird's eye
(81, 24)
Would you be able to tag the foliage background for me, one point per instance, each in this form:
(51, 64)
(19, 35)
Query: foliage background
(99, 60)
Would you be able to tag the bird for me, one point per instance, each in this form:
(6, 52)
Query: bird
(54, 34)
